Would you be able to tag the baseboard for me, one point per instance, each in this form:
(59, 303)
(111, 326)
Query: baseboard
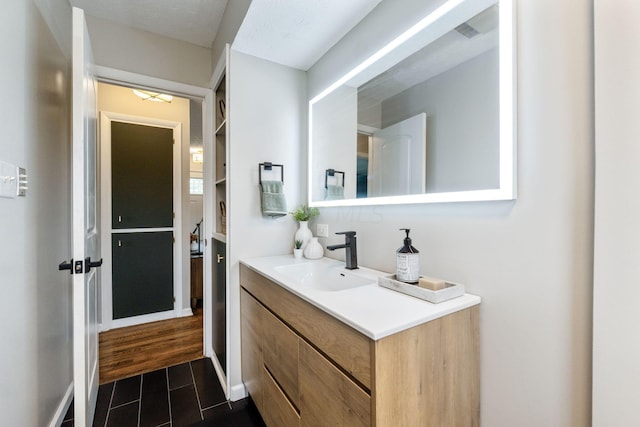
(186, 312)
(63, 407)
(237, 392)
(222, 378)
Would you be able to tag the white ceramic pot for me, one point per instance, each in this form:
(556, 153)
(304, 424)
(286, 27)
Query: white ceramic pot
(297, 253)
(314, 249)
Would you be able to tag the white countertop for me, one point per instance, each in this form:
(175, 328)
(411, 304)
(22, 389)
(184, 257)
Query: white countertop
(375, 311)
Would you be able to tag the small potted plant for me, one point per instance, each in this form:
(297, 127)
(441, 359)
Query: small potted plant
(303, 214)
(297, 249)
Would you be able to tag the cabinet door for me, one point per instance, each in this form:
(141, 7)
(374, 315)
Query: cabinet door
(280, 352)
(278, 409)
(327, 396)
(251, 313)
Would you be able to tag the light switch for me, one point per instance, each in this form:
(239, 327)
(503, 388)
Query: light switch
(8, 180)
(22, 182)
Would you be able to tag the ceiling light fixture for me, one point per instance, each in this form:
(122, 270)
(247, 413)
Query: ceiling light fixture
(153, 96)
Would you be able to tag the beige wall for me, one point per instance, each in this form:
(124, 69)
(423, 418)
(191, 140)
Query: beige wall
(530, 259)
(142, 52)
(117, 99)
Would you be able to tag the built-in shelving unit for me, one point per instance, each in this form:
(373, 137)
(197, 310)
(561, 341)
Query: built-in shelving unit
(220, 232)
(221, 102)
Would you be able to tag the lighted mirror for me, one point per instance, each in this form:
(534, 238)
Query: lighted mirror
(428, 118)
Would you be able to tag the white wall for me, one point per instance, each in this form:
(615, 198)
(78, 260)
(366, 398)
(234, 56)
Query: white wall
(531, 259)
(35, 308)
(616, 348)
(267, 124)
(142, 52)
(462, 124)
(118, 99)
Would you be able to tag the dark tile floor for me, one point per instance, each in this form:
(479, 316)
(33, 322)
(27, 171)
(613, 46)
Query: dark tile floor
(183, 395)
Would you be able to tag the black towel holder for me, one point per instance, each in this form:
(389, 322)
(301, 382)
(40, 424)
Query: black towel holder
(332, 172)
(269, 166)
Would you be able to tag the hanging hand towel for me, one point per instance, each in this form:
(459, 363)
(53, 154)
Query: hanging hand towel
(334, 192)
(272, 197)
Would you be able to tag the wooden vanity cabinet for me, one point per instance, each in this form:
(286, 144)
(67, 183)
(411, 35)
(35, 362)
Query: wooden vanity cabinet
(303, 367)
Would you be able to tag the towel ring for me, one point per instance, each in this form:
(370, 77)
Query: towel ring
(269, 166)
(332, 172)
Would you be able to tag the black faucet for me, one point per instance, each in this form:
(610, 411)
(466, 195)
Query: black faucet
(350, 246)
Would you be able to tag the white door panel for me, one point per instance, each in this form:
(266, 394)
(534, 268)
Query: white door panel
(85, 233)
(398, 158)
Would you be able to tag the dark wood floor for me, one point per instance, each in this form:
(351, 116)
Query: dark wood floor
(139, 349)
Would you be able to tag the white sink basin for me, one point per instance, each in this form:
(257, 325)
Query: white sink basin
(323, 275)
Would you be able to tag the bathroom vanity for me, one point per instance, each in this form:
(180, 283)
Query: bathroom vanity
(361, 355)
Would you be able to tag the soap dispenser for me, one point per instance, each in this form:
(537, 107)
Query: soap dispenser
(407, 261)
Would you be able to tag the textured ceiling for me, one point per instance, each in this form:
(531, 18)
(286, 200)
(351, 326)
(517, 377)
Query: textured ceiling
(297, 33)
(193, 21)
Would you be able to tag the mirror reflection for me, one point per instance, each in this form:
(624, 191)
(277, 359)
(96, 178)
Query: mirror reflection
(425, 118)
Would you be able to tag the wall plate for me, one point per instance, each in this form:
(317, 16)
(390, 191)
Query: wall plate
(8, 180)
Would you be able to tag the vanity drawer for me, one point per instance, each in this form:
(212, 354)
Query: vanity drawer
(280, 412)
(280, 353)
(327, 396)
(344, 345)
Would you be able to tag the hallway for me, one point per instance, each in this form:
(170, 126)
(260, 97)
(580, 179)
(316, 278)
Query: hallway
(135, 350)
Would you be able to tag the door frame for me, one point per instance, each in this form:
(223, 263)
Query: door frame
(106, 118)
(204, 95)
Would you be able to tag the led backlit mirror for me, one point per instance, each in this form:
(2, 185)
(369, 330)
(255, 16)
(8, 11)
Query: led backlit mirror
(428, 118)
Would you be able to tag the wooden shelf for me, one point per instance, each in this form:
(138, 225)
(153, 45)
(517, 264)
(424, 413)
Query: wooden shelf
(221, 181)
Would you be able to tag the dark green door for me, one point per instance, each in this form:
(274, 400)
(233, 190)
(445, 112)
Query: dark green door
(142, 273)
(142, 219)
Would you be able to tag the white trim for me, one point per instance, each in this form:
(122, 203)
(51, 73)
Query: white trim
(208, 198)
(106, 117)
(221, 376)
(369, 130)
(146, 318)
(237, 392)
(126, 78)
(141, 230)
(186, 312)
(63, 407)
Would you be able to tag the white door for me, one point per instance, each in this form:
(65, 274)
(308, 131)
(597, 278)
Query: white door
(85, 237)
(397, 164)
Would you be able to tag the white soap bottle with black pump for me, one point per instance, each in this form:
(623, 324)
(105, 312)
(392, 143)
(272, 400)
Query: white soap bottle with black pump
(407, 261)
